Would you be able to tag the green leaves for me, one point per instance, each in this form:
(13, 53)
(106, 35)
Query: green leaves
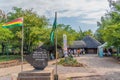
(109, 28)
(65, 29)
(34, 28)
(5, 34)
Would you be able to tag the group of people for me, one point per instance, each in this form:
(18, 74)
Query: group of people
(107, 52)
(76, 52)
(70, 52)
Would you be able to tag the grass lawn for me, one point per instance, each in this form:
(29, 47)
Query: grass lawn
(9, 57)
(115, 55)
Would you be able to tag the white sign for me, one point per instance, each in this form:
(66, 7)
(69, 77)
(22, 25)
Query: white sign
(65, 45)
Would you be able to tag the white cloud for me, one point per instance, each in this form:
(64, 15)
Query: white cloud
(92, 21)
(73, 7)
(90, 10)
(92, 17)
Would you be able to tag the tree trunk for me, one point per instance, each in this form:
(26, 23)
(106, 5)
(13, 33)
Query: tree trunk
(118, 52)
(3, 48)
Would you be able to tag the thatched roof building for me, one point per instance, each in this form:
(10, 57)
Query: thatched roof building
(78, 44)
(88, 43)
(91, 42)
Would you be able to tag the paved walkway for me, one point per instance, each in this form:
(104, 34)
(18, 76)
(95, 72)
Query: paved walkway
(105, 68)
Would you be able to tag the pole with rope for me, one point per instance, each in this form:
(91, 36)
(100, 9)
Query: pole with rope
(56, 75)
(22, 47)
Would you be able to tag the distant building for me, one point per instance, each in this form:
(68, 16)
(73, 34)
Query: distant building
(88, 43)
(77, 44)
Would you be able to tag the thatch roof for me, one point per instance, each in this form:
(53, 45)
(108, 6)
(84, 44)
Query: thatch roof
(49, 47)
(91, 42)
(87, 42)
(78, 44)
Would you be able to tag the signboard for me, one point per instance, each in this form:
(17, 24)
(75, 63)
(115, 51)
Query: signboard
(65, 45)
(38, 59)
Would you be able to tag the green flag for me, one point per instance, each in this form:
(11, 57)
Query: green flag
(53, 29)
(55, 22)
(52, 37)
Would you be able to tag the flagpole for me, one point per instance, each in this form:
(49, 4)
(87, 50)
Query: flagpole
(56, 75)
(22, 48)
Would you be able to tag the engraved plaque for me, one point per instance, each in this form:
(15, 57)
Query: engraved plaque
(38, 59)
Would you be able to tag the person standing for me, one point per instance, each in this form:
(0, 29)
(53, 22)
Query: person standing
(78, 52)
(75, 52)
(83, 51)
(52, 56)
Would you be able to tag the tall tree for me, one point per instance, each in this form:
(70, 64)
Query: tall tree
(5, 36)
(109, 26)
(34, 28)
(82, 34)
(64, 29)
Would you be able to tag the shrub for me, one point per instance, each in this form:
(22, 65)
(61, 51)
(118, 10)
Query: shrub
(69, 61)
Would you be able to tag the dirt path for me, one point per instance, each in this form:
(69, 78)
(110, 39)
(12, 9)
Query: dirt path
(97, 68)
(105, 68)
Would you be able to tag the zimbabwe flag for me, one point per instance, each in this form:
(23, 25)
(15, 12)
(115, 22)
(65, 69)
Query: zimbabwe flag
(15, 23)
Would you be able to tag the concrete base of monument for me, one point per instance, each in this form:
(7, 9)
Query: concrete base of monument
(46, 74)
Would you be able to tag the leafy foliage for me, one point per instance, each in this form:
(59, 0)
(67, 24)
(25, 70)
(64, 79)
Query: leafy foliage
(34, 28)
(5, 34)
(36, 31)
(65, 29)
(82, 34)
(69, 61)
(5, 58)
(109, 29)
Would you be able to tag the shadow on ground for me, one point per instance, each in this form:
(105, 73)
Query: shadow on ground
(112, 76)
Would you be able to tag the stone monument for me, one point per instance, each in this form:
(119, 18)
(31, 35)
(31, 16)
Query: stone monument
(39, 60)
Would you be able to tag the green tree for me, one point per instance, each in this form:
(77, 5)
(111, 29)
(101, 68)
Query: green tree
(109, 29)
(88, 32)
(66, 29)
(62, 29)
(5, 36)
(34, 28)
(82, 34)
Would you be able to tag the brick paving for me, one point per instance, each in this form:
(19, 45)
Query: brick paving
(105, 68)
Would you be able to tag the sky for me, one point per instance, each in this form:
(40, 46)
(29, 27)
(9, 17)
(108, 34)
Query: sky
(83, 13)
